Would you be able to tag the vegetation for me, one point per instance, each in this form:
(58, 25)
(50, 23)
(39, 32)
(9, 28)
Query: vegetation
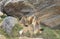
(16, 29)
(48, 33)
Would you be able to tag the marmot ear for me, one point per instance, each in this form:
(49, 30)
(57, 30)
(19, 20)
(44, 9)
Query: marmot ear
(30, 19)
(23, 20)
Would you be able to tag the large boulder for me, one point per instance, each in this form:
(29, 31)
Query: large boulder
(42, 4)
(53, 22)
(17, 8)
(2, 2)
(8, 24)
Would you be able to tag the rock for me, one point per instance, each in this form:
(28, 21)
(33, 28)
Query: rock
(17, 8)
(2, 2)
(8, 24)
(53, 22)
(2, 37)
(1, 13)
(57, 2)
(21, 32)
(0, 5)
(42, 4)
(48, 16)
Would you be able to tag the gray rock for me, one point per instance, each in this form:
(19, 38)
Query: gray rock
(43, 4)
(17, 8)
(53, 22)
(2, 3)
(8, 24)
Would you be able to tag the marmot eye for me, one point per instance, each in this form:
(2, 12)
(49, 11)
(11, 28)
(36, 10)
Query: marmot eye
(41, 29)
(26, 25)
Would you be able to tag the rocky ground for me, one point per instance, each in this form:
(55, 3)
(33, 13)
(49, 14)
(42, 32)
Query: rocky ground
(47, 12)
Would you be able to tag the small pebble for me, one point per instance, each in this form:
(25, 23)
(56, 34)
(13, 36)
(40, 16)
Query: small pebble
(1, 13)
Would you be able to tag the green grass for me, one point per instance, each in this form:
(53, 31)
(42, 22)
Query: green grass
(16, 29)
(2, 32)
(50, 33)
(3, 16)
(47, 33)
(14, 32)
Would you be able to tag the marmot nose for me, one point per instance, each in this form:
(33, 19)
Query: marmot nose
(41, 30)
